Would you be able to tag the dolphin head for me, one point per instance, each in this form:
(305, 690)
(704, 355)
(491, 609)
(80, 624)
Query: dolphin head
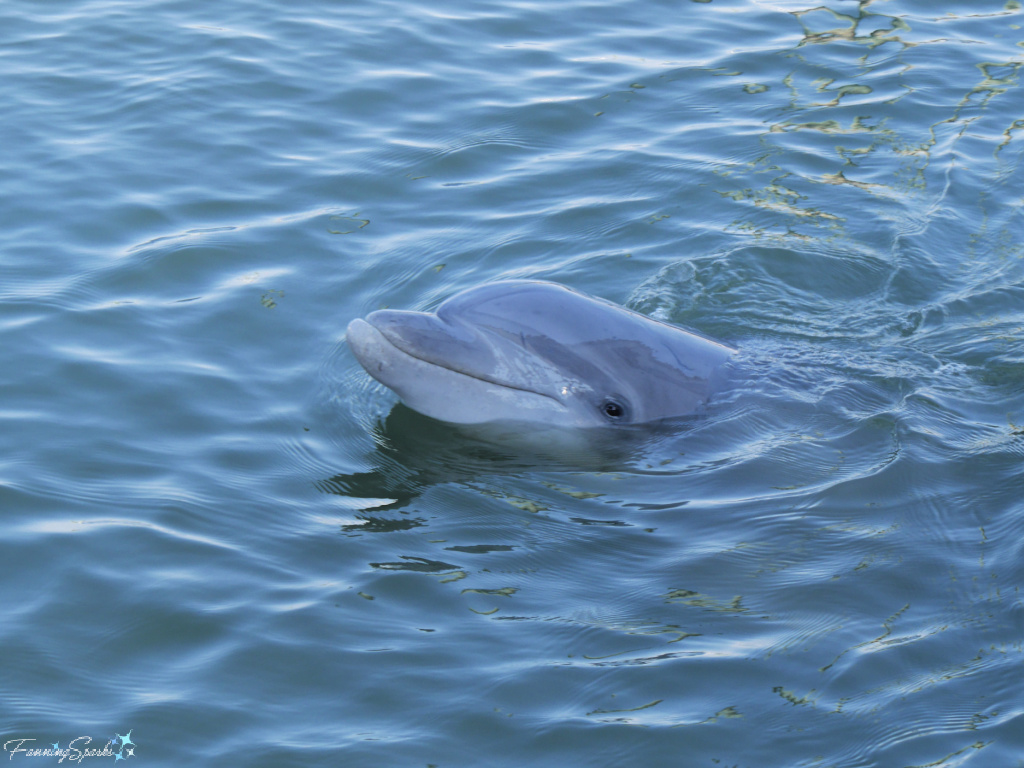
(537, 352)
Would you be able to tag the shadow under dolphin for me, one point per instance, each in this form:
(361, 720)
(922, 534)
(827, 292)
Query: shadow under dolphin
(414, 452)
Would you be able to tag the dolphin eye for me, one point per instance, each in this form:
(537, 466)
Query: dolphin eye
(613, 410)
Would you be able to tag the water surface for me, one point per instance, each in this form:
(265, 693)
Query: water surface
(218, 535)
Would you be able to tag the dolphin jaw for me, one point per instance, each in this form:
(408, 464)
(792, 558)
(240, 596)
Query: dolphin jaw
(444, 393)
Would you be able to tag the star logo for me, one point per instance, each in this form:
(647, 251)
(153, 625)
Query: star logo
(124, 745)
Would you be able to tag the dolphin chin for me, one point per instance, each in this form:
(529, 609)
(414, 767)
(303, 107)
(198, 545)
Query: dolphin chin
(538, 353)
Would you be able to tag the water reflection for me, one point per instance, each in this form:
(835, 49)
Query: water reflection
(414, 452)
(865, 106)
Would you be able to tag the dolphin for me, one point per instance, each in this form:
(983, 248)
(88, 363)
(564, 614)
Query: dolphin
(534, 352)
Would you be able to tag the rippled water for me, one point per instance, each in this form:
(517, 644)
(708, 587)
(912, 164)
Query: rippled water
(216, 533)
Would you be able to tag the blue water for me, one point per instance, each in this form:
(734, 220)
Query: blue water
(215, 532)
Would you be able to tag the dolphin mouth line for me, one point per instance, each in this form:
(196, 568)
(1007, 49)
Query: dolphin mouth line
(484, 379)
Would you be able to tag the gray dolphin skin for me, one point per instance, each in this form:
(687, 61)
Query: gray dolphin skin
(540, 353)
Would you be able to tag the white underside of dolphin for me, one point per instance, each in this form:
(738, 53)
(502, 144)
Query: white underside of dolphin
(538, 353)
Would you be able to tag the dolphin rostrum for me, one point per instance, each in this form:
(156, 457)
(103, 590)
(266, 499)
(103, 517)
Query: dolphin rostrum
(540, 353)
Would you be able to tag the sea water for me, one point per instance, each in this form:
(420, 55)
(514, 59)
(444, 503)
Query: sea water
(220, 544)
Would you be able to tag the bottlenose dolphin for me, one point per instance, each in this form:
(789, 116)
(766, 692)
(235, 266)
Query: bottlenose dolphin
(540, 353)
